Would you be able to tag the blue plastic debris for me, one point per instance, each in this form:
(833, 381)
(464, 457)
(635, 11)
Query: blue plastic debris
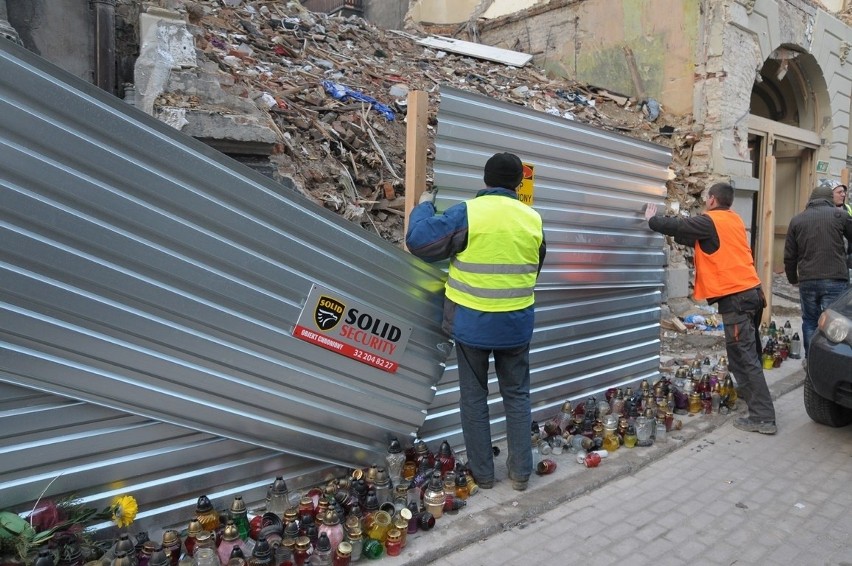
(700, 322)
(343, 93)
(574, 97)
(653, 108)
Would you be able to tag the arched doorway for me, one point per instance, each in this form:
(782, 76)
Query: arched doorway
(789, 119)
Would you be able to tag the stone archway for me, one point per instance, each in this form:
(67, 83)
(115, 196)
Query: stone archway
(789, 123)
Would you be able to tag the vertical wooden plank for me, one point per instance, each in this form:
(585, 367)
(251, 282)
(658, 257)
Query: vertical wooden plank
(767, 233)
(844, 177)
(808, 178)
(415, 150)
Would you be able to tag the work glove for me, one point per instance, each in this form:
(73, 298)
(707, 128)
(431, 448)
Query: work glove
(427, 196)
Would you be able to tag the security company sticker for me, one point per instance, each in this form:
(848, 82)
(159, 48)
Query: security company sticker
(527, 188)
(352, 329)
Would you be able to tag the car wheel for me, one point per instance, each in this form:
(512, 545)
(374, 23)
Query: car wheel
(822, 410)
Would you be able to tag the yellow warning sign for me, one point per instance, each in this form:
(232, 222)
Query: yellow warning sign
(527, 188)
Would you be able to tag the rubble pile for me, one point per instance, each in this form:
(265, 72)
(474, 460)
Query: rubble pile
(845, 15)
(336, 91)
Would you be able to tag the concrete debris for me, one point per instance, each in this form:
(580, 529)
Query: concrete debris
(276, 57)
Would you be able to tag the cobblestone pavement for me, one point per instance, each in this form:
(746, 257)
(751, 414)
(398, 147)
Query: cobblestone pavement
(710, 494)
(730, 497)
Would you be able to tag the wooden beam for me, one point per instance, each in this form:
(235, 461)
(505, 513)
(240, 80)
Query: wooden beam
(844, 177)
(638, 85)
(785, 132)
(415, 150)
(767, 234)
(807, 179)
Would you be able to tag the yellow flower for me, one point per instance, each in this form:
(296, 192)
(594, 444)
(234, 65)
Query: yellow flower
(124, 509)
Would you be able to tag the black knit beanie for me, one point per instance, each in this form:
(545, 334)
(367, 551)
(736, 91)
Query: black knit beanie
(504, 170)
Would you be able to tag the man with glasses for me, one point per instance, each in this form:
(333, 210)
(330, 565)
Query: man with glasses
(839, 195)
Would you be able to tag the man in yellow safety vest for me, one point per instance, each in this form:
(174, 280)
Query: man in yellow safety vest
(496, 248)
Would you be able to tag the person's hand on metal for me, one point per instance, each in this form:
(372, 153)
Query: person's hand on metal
(427, 196)
(650, 210)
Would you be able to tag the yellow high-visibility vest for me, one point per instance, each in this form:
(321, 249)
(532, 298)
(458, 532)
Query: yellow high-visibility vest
(498, 269)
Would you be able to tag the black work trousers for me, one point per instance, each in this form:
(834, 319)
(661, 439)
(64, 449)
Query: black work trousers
(741, 313)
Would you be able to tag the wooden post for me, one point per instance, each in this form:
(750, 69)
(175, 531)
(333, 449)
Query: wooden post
(415, 150)
(844, 177)
(767, 233)
(634, 74)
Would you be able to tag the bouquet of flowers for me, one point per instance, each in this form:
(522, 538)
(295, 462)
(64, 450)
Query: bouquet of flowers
(54, 523)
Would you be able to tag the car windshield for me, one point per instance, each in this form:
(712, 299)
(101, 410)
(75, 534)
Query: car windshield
(843, 304)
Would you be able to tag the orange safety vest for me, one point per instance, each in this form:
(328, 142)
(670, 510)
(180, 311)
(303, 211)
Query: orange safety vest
(731, 268)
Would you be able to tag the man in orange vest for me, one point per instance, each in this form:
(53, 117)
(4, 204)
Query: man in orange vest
(725, 275)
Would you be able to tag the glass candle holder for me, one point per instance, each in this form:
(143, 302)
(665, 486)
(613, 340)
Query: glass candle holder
(279, 497)
(425, 521)
(393, 544)
(409, 469)
(630, 437)
(343, 555)
(356, 542)
(694, 402)
(556, 443)
(434, 498)
(301, 551)
(205, 557)
(643, 431)
(373, 549)
(611, 441)
(395, 459)
(661, 431)
(546, 466)
(381, 523)
(400, 522)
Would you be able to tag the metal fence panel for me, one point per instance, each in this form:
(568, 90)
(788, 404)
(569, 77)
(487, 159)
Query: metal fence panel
(93, 453)
(599, 293)
(150, 286)
(158, 282)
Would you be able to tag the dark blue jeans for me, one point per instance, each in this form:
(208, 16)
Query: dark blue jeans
(513, 378)
(815, 295)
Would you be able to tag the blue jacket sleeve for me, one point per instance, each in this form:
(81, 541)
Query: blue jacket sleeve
(435, 237)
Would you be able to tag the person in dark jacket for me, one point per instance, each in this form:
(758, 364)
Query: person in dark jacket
(496, 247)
(839, 193)
(815, 255)
(725, 275)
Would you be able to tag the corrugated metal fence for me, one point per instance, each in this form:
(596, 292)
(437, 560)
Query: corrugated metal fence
(598, 296)
(150, 286)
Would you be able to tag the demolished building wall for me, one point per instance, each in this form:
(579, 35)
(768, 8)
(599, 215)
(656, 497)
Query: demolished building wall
(254, 90)
(701, 63)
(711, 53)
(566, 39)
(339, 153)
(386, 14)
(57, 30)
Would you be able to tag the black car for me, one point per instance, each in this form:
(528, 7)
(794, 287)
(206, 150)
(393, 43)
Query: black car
(828, 379)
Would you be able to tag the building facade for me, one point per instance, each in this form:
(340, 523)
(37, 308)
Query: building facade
(762, 85)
